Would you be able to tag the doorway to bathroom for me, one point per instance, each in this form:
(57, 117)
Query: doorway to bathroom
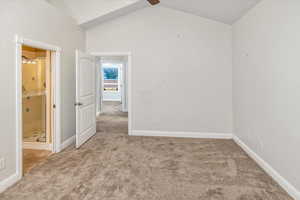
(38, 104)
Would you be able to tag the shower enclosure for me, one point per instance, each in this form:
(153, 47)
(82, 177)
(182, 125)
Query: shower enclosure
(34, 93)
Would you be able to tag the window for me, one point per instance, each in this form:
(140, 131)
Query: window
(110, 77)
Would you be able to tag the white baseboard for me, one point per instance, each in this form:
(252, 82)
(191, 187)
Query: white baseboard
(288, 187)
(37, 145)
(181, 134)
(6, 183)
(112, 100)
(68, 142)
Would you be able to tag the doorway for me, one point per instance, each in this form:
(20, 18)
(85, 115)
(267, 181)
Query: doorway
(113, 115)
(111, 75)
(89, 93)
(37, 103)
(113, 82)
(36, 106)
(113, 91)
(112, 86)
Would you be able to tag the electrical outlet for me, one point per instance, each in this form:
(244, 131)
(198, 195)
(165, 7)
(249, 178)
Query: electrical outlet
(2, 164)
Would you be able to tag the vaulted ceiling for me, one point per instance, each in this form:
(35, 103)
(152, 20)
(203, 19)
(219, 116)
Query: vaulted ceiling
(226, 11)
(90, 12)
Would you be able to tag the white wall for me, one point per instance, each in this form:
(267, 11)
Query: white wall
(36, 20)
(166, 45)
(266, 79)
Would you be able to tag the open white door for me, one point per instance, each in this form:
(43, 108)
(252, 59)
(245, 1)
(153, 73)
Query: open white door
(85, 97)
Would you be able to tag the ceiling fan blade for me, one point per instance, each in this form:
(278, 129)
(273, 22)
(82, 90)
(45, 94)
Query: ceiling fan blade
(153, 2)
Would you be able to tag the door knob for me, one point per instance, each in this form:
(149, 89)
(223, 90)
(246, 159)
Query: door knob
(78, 104)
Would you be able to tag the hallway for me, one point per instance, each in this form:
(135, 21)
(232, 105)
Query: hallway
(112, 120)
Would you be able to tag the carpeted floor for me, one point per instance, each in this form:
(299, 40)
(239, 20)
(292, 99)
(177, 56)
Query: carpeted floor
(114, 166)
(111, 108)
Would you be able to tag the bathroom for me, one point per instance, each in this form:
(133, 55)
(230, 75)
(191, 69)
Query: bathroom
(36, 106)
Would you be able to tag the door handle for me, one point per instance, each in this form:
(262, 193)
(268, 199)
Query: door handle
(78, 104)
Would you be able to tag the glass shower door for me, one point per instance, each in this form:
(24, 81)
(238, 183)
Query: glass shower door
(34, 100)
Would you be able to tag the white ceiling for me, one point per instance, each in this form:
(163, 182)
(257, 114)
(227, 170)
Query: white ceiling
(226, 11)
(87, 13)
(84, 11)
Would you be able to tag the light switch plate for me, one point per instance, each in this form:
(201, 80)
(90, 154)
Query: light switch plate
(2, 164)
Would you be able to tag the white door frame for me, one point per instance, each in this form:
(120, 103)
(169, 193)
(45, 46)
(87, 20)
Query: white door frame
(99, 92)
(56, 133)
(129, 81)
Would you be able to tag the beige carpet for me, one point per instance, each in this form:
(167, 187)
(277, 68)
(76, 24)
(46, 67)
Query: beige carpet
(114, 166)
(111, 108)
